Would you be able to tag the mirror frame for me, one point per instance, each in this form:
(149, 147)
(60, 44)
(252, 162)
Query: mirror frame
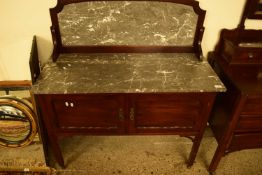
(254, 7)
(250, 11)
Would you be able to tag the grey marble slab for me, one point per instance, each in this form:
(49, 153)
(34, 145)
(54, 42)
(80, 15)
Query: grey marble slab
(127, 73)
(127, 23)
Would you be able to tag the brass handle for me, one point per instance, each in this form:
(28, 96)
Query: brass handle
(132, 114)
(121, 114)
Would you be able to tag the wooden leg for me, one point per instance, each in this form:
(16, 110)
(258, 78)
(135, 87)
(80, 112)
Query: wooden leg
(56, 150)
(225, 140)
(220, 151)
(47, 115)
(196, 142)
(193, 153)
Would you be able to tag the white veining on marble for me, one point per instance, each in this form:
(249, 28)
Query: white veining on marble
(127, 23)
(127, 73)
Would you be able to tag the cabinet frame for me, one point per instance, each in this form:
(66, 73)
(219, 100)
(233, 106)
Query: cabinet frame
(128, 125)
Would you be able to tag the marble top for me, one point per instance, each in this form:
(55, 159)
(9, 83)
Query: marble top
(127, 73)
(127, 23)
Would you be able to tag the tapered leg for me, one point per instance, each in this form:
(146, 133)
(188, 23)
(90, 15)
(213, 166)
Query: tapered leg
(56, 150)
(220, 151)
(196, 142)
(225, 140)
(194, 150)
(47, 115)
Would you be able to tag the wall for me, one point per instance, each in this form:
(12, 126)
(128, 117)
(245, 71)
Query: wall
(20, 20)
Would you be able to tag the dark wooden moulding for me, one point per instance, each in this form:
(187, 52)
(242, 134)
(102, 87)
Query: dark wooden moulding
(190, 111)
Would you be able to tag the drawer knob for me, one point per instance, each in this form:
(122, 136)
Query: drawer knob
(66, 104)
(250, 55)
(72, 105)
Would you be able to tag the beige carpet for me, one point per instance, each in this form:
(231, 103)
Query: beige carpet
(29, 159)
(147, 155)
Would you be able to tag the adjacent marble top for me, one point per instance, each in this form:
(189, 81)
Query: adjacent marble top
(251, 44)
(127, 73)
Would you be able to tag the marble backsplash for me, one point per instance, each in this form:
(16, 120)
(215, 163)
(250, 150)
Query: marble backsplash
(127, 23)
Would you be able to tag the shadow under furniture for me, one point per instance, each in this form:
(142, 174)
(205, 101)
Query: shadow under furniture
(126, 68)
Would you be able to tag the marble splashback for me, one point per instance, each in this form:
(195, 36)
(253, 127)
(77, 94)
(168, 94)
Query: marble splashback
(127, 23)
(127, 73)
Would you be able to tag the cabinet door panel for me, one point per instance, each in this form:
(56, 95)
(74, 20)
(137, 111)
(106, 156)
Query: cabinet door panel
(166, 111)
(88, 111)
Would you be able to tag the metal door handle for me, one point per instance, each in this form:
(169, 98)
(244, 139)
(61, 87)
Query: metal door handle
(132, 114)
(121, 114)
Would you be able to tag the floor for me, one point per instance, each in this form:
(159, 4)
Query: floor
(30, 158)
(132, 155)
(149, 155)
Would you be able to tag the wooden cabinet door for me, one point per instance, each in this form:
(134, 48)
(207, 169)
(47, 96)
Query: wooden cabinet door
(166, 113)
(87, 113)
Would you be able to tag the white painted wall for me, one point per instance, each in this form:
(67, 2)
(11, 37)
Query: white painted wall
(21, 19)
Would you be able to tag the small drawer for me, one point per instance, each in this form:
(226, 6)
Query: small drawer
(249, 55)
(249, 123)
(246, 141)
(247, 58)
(241, 54)
(253, 106)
